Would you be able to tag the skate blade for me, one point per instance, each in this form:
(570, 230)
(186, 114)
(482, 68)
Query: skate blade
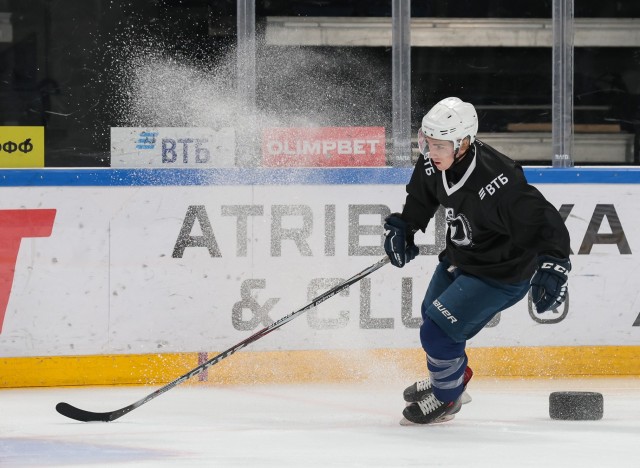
(448, 417)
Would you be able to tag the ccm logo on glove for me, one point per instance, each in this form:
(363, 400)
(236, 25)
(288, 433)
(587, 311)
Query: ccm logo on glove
(549, 283)
(558, 268)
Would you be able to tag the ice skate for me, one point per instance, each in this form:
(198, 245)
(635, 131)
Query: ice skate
(430, 410)
(419, 390)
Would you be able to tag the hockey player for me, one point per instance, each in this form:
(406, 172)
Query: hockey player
(503, 238)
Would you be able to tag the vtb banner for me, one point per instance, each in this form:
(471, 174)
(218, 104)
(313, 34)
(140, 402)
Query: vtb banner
(172, 147)
(324, 147)
(21, 147)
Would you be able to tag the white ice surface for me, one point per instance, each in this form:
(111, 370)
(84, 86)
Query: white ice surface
(506, 425)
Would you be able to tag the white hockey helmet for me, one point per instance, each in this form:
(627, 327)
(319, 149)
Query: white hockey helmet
(450, 119)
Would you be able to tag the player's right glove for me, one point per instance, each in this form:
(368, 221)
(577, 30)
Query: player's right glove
(398, 241)
(549, 283)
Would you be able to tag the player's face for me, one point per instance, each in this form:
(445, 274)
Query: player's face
(441, 153)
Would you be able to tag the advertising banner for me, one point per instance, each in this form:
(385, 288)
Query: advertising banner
(324, 147)
(170, 269)
(21, 147)
(172, 147)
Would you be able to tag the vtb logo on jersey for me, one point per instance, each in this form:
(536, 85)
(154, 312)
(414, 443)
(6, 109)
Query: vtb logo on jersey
(428, 165)
(459, 228)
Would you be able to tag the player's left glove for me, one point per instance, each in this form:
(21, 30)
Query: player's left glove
(549, 283)
(398, 240)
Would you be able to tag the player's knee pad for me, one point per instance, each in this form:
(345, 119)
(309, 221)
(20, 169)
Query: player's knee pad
(437, 343)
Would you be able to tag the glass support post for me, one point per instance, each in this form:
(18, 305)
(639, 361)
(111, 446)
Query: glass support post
(562, 94)
(246, 146)
(401, 82)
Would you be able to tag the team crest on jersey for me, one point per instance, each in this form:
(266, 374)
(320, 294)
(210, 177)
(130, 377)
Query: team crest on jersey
(459, 228)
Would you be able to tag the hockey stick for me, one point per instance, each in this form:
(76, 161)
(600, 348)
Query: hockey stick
(78, 414)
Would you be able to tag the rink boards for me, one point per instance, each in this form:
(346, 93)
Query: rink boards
(134, 276)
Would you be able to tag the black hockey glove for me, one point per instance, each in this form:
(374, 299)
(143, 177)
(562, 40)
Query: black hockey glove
(398, 241)
(549, 283)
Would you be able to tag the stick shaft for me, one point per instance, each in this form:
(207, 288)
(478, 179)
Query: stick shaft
(266, 330)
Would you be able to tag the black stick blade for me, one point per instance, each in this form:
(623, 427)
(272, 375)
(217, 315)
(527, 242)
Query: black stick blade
(65, 409)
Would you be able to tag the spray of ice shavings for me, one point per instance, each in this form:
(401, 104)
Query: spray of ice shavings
(167, 92)
(326, 87)
(295, 87)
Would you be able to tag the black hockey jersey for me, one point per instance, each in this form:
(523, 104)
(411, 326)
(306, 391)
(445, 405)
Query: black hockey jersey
(497, 223)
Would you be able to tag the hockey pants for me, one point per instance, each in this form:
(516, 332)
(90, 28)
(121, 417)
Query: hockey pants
(455, 308)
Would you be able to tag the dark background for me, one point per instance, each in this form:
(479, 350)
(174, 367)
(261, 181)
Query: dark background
(69, 68)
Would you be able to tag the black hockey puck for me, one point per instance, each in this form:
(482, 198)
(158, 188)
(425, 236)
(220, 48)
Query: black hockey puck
(576, 406)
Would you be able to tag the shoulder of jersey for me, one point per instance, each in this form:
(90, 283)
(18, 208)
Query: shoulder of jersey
(497, 174)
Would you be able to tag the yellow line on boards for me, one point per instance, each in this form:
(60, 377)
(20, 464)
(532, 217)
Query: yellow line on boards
(312, 366)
